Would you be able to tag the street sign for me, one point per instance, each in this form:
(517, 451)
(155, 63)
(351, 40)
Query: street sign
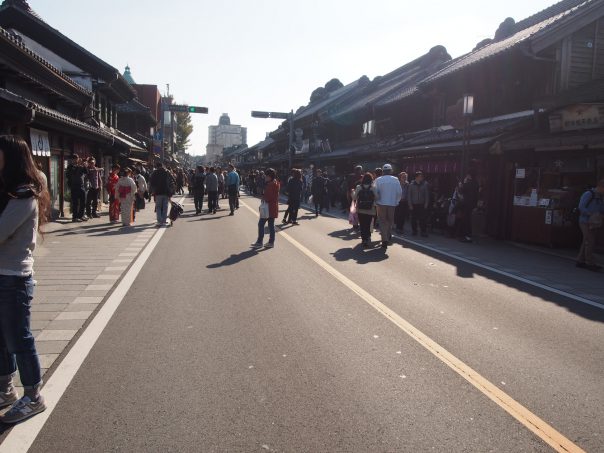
(187, 108)
(277, 115)
(280, 115)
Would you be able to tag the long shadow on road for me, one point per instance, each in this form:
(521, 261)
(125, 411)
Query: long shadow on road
(235, 259)
(361, 255)
(466, 270)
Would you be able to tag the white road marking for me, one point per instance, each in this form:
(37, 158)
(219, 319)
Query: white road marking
(22, 436)
(505, 272)
(531, 421)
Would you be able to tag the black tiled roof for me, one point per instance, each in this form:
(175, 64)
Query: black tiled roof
(402, 78)
(53, 114)
(331, 98)
(134, 106)
(548, 12)
(46, 112)
(528, 30)
(8, 37)
(17, 13)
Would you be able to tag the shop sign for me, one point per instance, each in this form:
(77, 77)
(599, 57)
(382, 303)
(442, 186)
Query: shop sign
(548, 217)
(40, 145)
(520, 173)
(577, 117)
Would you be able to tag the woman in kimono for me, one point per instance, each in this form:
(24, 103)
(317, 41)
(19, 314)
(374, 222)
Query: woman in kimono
(114, 202)
(125, 190)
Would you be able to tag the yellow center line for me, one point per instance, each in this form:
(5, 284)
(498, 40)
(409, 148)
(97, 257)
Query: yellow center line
(531, 421)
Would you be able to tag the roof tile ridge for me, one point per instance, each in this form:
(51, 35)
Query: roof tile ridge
(17, 43)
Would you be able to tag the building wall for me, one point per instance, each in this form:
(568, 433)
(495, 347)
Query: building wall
(227, 135)
(213, 154)
(149, 96)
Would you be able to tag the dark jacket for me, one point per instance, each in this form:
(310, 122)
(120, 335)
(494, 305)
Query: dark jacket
(318, 186)
(197, 182)
(76, 176)
(294, 189)
(162, 183)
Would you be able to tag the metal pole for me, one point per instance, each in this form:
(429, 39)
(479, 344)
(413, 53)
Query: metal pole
(464, 150)
(172, 133)
(291, 140)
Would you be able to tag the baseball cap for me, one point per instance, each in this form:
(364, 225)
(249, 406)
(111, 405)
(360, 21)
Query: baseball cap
(387, 167)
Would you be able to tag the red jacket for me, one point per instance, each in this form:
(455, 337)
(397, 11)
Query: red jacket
(271, 196)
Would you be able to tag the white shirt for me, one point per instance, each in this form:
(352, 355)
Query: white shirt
(387, 190)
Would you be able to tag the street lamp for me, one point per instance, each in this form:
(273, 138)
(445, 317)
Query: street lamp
(283, 116)
(468, 111)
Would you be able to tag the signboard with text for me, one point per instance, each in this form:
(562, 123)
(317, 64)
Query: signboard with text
(40, 145)
(577, 117)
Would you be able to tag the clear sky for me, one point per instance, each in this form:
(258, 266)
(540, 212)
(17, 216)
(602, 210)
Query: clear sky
(235, 56)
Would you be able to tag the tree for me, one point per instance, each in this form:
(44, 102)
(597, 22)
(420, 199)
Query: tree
(184, 129)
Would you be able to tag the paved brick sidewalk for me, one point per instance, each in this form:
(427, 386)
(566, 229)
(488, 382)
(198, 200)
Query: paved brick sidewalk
(76, 266)
(555, 269)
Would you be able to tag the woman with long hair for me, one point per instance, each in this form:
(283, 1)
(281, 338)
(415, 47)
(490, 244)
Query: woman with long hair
(24, 206)
(114, 202)
(271, 197)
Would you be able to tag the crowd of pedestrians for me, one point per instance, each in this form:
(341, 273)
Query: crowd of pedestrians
(372, 199)
(128, 190)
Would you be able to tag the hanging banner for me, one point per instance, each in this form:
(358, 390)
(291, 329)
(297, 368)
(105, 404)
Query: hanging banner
(40, 145)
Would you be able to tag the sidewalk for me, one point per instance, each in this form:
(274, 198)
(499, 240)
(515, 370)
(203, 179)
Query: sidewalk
(76, 266)
(553, 269)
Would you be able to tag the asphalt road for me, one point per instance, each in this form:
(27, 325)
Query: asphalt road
(221, 348)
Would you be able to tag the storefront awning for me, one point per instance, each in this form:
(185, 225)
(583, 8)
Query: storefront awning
(456, 145)
(127, 142)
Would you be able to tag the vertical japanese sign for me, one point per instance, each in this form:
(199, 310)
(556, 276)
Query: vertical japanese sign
(40, 145)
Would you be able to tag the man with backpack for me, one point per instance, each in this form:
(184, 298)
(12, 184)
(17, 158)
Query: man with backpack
(591, 209)
(162, 186)
(364, 197)
(198, 188)
(388, 193)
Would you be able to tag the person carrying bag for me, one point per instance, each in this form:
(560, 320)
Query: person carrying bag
(270, 203)
(591, 209)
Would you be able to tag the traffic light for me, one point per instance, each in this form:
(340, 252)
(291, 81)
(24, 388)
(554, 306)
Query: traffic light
(198, 109)
(187, 108)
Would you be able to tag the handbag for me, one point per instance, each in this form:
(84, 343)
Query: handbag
(264, 210)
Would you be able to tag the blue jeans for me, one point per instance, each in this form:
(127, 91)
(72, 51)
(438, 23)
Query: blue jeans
(271, 230)
(161, 208)
(17, 345)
